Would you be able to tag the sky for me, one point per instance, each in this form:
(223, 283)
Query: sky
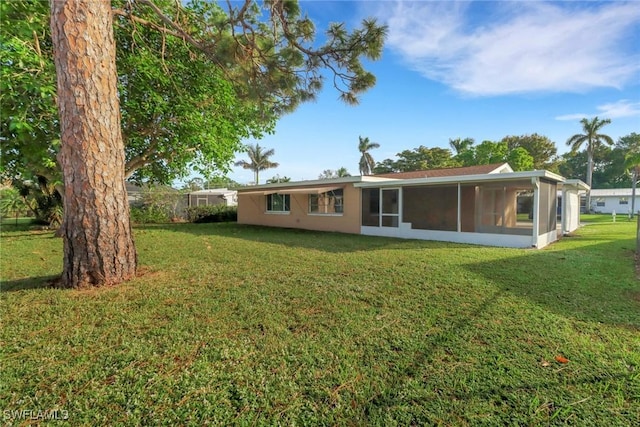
(481, 69)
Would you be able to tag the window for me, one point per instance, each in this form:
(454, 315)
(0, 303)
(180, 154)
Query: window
(330, 202)
(624, 200)
(600, 202)
(278, 203)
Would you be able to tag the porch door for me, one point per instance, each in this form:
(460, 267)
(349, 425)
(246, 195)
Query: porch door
(390, 212)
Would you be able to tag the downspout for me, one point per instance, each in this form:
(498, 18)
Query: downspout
(459, 225)
(536, 211)
(400, 207)
(563, 212)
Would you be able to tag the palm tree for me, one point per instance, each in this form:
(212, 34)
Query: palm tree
(459, 145)
(258, 160)
(342, 172)
(11, 202)
(366, 161)
(277, 178)
(594, 139)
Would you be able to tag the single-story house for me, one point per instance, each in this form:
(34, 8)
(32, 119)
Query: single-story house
(613, 199)
(134, 193)
(217, 196)
(487, 204)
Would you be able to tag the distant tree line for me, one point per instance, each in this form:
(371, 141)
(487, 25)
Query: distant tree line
(526, 152)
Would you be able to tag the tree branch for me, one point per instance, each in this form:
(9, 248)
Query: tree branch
(128, 15)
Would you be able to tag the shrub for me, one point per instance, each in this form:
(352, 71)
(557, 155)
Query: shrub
(212, 213)
(148, 215)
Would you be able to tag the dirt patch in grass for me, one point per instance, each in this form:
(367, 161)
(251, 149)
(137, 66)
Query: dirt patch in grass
(635, 296)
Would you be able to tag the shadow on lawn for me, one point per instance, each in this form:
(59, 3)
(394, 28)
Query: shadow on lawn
(333, 242)
(580, 281)
(587, 281)
(42, 282)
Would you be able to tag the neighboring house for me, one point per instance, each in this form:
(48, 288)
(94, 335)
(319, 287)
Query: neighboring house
(218, 196)
(488, 205)
(613, 199)
(134, 193)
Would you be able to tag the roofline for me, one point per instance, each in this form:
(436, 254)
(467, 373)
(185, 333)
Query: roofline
(505, 176)
(497, 168)
(614, 192)
(315, 182)
(213, 190)
(577, 183)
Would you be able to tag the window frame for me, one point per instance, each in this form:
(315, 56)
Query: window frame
(328, 194)
(286, 204)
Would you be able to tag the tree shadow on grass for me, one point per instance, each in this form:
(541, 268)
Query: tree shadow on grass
(326, 241)
(491, 389)
(587, 282)
(42, 282)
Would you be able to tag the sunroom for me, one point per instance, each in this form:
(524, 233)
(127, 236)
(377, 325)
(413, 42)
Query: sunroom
(517, 209)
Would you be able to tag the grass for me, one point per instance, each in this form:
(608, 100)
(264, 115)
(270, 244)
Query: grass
(240, 325)
(21, 224)
(604, 218)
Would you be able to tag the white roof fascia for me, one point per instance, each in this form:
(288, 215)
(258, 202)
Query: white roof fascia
(314, 183)
(506, 176)
(578, 183)
(614, 192)
(213, 191)
(309, 190)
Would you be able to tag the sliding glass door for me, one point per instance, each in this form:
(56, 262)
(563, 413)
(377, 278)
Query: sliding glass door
(380, 207)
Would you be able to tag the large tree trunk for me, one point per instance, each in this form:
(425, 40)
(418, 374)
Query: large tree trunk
(98, 245)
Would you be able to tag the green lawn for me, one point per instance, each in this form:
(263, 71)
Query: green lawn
(239, 325)
(604, 218)
(13, 224)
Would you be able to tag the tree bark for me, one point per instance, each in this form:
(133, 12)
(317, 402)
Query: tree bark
(98, 244)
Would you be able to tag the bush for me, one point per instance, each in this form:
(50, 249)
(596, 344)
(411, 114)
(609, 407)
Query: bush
(212, 213)
(148, 215)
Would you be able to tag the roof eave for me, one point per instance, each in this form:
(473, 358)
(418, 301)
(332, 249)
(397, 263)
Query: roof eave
(315, 182)
(505, 176)
(578, 183)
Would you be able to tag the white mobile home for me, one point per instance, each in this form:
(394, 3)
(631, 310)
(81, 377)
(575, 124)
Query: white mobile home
(611, 200)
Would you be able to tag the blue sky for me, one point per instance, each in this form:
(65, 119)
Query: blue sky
(480, 69)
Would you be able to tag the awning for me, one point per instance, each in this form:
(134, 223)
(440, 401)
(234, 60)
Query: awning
(308, 190)
(256, 193)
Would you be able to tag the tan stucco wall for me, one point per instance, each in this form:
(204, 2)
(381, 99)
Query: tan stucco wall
(252, 210)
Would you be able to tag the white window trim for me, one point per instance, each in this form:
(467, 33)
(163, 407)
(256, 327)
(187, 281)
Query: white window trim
(309, 213)
(267, 211)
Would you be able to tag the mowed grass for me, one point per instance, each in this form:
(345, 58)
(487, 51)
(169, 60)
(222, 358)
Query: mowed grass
(240, 325)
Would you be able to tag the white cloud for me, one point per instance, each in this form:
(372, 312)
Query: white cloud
(495, 48)
(613, 110)
(574, 116)
(623, 108)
